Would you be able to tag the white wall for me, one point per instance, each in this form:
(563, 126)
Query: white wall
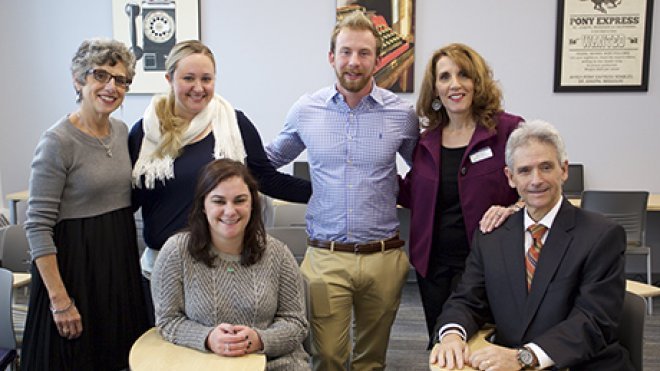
(270, 52)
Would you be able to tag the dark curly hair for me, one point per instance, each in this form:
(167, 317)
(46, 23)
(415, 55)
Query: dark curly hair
(254, 239)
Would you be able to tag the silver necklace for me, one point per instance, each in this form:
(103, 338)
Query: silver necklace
(108, 147)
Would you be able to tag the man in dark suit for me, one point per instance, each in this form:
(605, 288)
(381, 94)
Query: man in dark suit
(555, 294)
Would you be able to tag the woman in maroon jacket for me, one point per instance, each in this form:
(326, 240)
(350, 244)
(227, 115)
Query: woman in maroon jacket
(457, 175)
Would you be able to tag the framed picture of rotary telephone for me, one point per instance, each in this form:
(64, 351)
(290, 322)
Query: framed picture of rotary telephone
(151, 28)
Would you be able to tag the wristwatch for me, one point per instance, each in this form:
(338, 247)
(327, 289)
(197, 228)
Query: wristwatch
(527, 359)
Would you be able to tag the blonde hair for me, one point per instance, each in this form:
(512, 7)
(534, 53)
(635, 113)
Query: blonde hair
(172, 126)
(487, 99)
(356, 21)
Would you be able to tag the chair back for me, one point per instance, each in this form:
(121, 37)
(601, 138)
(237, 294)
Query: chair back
(7, 336)
(294, 237)
(290, 215)
(15, 249)
(301, 170)
(574, 185)
(631, 328)
(267, 210)
(627, 208)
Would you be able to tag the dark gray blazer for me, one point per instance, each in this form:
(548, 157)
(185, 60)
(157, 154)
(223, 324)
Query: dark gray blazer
(573, 308)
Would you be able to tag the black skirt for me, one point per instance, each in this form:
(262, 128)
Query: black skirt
(99, 264)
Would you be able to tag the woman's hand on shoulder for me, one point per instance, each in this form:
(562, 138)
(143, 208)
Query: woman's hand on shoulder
(495, 216)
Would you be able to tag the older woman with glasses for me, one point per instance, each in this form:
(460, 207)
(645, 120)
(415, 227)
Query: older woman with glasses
(86, 305)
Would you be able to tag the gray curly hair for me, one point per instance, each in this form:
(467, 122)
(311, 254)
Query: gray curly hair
(99, 52)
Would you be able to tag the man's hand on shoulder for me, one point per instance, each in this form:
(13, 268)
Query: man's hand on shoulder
(452, 352)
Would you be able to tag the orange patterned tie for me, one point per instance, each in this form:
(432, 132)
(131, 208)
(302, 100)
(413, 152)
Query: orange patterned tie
(537, 231)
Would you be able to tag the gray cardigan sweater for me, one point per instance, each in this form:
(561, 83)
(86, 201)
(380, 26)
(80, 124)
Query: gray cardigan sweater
(190, 299)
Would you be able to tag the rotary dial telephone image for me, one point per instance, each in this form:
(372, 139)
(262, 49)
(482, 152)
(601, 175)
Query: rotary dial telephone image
(158, 31)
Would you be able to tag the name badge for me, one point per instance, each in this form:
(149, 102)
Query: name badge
(481, 155)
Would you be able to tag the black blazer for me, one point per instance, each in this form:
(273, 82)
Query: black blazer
(573, 308)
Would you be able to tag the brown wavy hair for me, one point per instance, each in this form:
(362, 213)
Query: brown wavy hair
(254, 240)
(487, 100)
(171, 125)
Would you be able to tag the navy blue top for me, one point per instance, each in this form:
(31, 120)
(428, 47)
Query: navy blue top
(165, 208)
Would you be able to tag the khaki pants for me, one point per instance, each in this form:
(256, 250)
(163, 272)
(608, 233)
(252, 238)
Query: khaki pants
(367, 285)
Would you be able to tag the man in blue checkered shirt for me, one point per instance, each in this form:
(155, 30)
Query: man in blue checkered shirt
(355, 265)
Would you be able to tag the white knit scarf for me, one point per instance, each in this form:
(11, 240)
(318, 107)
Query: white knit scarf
(228, 140)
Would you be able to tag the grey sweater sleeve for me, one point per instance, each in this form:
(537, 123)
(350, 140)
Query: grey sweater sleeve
(47, 181)
(289, 327)
(167, 289)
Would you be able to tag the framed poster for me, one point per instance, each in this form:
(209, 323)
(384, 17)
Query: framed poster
(603, 45)
(395, 21)
(151, 28)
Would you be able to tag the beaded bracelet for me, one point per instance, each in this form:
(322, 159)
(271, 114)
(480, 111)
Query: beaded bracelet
(63, 310)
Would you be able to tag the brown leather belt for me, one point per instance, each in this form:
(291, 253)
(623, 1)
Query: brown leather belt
(358, 248)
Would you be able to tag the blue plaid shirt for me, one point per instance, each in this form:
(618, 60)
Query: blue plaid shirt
(352, 160)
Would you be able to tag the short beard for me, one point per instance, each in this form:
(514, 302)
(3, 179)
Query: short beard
(352, 86)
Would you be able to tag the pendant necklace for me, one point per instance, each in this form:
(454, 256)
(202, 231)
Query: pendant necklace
(108, 147)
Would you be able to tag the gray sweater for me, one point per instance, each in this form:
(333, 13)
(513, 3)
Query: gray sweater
(190, 299)
(73, 177)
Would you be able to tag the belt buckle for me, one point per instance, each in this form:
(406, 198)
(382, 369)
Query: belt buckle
(356, 248)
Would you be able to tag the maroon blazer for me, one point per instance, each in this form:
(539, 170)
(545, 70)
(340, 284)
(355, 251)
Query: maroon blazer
(480, 184)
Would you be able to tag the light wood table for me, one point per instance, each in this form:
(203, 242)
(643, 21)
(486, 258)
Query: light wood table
(14, 199)
(653, 203)
(478, 341)
(152, 352)
(21, 279)
(642, 289)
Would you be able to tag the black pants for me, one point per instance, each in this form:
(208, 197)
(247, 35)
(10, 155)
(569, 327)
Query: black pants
(149, 302)
(435, 289)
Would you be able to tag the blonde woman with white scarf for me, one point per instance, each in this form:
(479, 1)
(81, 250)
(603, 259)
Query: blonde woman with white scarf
(179, 134)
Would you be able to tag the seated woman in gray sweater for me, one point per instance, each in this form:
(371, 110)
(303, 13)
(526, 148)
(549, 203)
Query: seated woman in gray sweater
(223, 285)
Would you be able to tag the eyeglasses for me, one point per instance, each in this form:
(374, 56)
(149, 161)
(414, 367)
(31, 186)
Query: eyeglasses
(104, 77)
